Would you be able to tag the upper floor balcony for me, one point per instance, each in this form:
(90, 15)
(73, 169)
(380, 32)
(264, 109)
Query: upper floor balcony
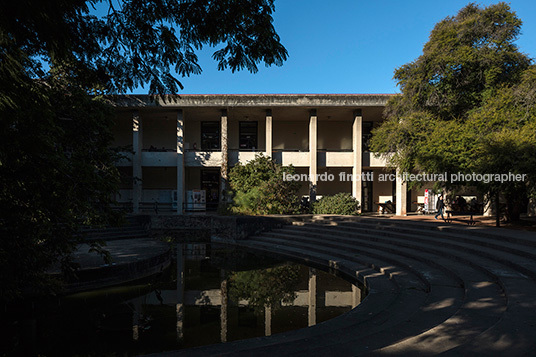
(371, 159)
(297, 158)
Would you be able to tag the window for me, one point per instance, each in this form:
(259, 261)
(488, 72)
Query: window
(210, 135)
(247, 135)
(367, 135)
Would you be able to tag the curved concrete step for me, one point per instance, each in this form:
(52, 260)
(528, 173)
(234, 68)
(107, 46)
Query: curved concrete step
(523, 247)
(521, 264)
(421, 323)
(520, 290)
(433, 289)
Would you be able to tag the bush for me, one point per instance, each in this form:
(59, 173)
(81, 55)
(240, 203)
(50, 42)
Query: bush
(259, 188)
(341, 203)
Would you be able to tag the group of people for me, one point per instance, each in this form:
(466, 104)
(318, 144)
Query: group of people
(460, 204)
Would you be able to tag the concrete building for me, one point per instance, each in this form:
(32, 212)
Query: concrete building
(186, 143)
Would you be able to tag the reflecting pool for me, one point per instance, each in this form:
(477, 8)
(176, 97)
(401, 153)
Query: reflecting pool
(211, 294)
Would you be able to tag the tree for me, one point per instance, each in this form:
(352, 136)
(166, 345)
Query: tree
(265, 287)
(56, 167)
(57, 173)
(259, 187)
(464, 101)
(139, 42)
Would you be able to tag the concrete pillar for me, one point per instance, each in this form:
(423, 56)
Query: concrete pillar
(313, 153)
(312, 297)
(180, 292)
(180, 162)
(356, 296)
(269, 141)
(223, 310)
(401, 195)
(357, 166)
(267, 320)
(224, 159)
(137, 146)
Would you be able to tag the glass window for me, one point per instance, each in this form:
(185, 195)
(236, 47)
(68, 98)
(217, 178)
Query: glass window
(248, 135)
(210, 135)
(367, 135)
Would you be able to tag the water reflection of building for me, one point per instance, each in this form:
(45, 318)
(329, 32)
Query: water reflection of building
(205, 305)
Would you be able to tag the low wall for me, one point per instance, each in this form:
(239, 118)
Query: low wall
(200, 228)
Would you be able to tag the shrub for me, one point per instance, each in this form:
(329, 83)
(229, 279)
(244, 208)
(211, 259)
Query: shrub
(259, 188)
(341, 203)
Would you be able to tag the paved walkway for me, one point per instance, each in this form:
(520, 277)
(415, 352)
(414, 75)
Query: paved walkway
(433, 288)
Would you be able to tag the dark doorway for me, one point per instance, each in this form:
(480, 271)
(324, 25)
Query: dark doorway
(210, 182)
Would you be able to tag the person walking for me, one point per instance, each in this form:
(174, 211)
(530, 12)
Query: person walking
(440, 206)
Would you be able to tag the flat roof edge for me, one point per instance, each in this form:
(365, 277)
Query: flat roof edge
(251, 100)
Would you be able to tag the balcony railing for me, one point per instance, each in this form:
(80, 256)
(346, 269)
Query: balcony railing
(371, 159)
(294, 157)
(243, 157)
(202, 158)
(339, 158)
(297, 158)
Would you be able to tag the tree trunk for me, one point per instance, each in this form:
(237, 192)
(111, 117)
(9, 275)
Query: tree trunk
(497, 210)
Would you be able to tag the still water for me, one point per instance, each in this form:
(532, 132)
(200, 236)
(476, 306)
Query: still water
(211, 294)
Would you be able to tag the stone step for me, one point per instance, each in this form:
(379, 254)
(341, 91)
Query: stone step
(485, 306)
(504, 275)
(377, 284)
(515, 333)
(388, 317)
(484, 323)
(431, 316)
(373, 257)
(131, 230)
(521, 237)
(522, 264)
(503, 242)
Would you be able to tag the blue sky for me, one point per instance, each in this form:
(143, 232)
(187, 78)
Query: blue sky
(345, 46)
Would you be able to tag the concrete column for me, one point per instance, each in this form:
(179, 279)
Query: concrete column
(224, 159)
(357, 148)
(180, 162)
(356, 296)
(401, 195)
(137, 145)
(180, 292)
(312, 297)
(269, 141)
(313, 153)
(267, 320)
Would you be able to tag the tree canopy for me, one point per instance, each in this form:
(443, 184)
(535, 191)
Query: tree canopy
(467, 104)
(265, 287)
(57, 57)
(138, 42)
(260, 188)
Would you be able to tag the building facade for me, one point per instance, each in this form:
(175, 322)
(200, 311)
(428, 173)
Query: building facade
(184, 144)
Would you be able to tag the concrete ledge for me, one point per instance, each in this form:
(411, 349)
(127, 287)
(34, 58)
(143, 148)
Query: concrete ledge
(252, 100)
(132, 259)
(187, 228)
